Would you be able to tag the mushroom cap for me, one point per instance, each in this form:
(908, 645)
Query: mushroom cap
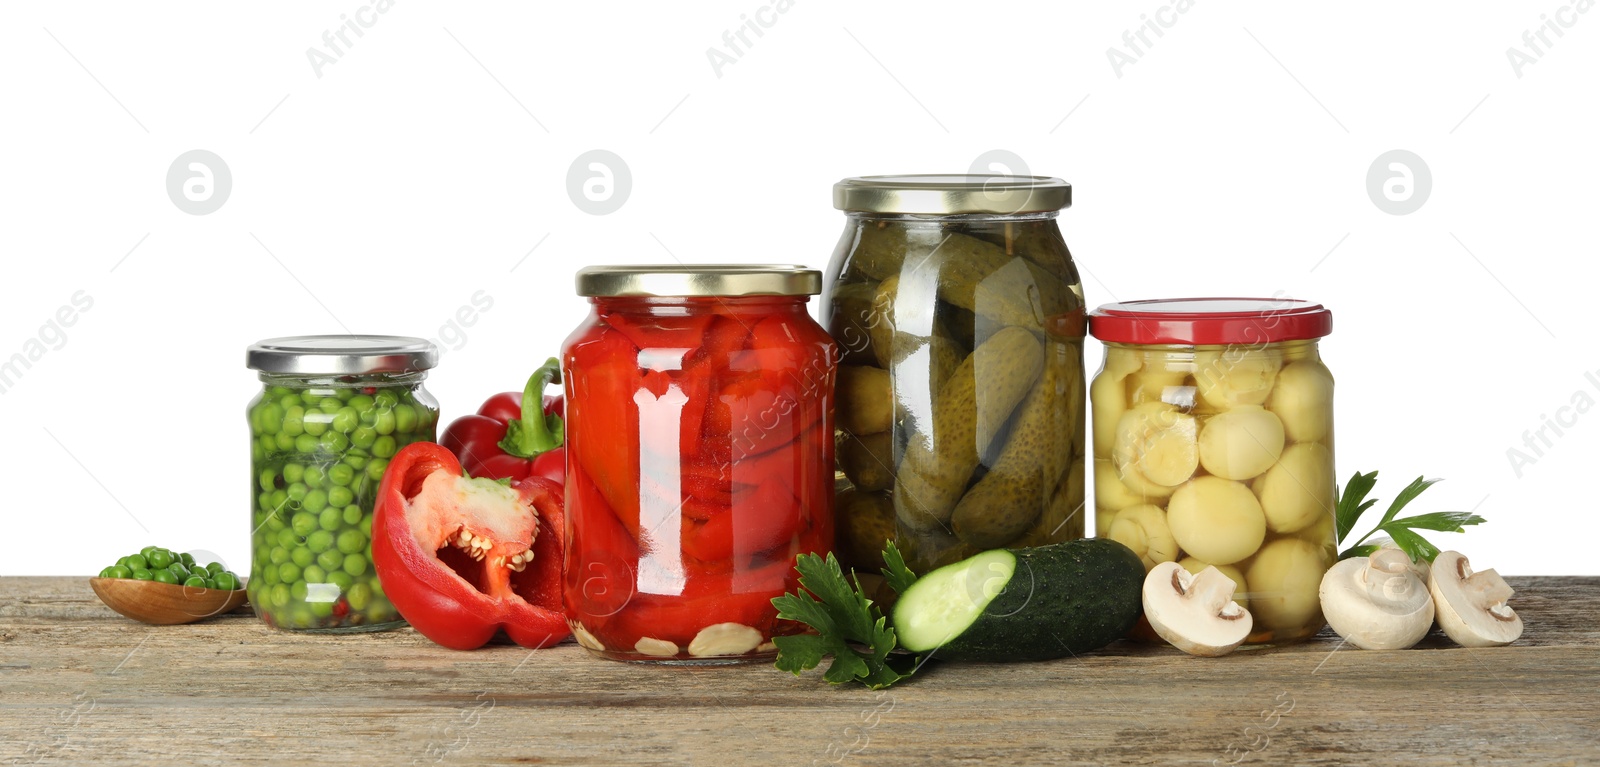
(1195, 613)
(1472, 606)
(1377, 602)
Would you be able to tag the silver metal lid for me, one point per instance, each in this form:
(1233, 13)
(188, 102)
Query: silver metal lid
(341, 355)
(699, 280)
(952, 194)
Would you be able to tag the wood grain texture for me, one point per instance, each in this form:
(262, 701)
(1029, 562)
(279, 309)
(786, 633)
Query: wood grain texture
(80, 684)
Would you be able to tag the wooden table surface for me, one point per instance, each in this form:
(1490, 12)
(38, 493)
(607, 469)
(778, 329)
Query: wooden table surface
(80, 684)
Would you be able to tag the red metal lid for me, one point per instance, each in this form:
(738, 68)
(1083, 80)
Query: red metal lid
(1207, 321)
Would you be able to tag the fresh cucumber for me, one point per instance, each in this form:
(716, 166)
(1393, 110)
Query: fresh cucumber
(1023, 604)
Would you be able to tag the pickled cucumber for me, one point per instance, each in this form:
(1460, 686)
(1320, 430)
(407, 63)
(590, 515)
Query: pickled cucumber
(851, 320)
(867, 460)
(969, 409)
(865, 405)
(1062, 518)
(899, 338)
(865, 522)
(1007, 501)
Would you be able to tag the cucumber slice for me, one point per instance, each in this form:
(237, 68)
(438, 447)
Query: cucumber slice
(1024, 604)
(950, 599)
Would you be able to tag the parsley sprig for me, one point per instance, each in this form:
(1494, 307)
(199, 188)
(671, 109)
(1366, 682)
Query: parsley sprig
(850, 627)
(1354, 502)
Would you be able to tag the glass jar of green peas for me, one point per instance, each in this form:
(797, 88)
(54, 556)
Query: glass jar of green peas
(331, 413)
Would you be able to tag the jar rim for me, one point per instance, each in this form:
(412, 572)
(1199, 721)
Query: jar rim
(1211, 320)
(349, 354)
(952, 194)
(691, 280)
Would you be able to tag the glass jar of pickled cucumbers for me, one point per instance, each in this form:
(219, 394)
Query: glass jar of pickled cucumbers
(1213, 445)
(331, 413)
(960, 398)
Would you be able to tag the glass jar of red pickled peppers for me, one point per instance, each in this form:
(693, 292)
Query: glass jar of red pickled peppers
(699, 429)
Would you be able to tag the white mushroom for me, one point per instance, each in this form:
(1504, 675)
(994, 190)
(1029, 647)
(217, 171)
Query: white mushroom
(1283, 578)
(1143, 529)
(1195, 613)
(1376, 602)
(1472, 606)
(1216, 520)
(585, 638)
(659, 648)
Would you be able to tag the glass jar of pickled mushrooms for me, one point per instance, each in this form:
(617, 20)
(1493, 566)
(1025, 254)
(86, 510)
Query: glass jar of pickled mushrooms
(1213, 445)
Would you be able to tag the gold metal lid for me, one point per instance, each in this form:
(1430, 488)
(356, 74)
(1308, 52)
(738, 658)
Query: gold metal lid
(950, 194)
(699, 280)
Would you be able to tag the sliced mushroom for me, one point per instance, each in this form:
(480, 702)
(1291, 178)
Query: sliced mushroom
(1376, 602)
(1472, 606)
(1195, 613)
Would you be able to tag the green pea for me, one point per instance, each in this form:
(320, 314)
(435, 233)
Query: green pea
(369, 417)
(383, 447)
(363, 437)
(302, 556)
(330, 518)
(163, 576)
(340, 497)
(280, 497)
(187, 559)
(384, 423)
(330, 405)
(352, 514)
(333, 442)
(225, 581)
(160, 559)
(355, 462)
(360, 595)
(293, 472)
(360, 402)
(315, 502)
(269, 576)
(331, 560)
(341, 579)
(303, 523)
(107, 573)
(317, 423)
(314, 476)
(355, 564)
(321, 609)
(122, 562)
(298, 591)
(179, 570)
(375, 468)
(345, 394)
(319, 541)
(345, 420)
(279, 554)
(264, 501)
(352, 542)
(257, 453)
(271, 417)
(268, 479)
(284, 442)
(118, 571)
(143, 574)
(377, 589)
(279, 596)
(366, 526)
(214, 568)
(138, 561)
(314, 574)
(269, 445)
(340, 475)
(405, 418)
(294, 421)
(305, 443)
(195, 581)
(275, 523)
(300, 616)
(386, 399)
(288, 572)
(297, 491)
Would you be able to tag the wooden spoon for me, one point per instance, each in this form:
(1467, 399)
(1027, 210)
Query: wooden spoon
(164, 604)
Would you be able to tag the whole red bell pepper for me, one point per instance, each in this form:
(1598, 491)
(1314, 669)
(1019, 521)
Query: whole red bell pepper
(514, 435)
(462, 558)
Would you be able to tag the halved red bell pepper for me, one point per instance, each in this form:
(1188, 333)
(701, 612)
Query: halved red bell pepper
(514, 435)
(462, 558)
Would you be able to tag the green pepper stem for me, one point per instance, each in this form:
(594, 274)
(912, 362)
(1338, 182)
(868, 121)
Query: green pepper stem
(535, 433)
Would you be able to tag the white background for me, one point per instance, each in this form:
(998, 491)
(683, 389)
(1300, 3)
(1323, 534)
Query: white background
(425, 163)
